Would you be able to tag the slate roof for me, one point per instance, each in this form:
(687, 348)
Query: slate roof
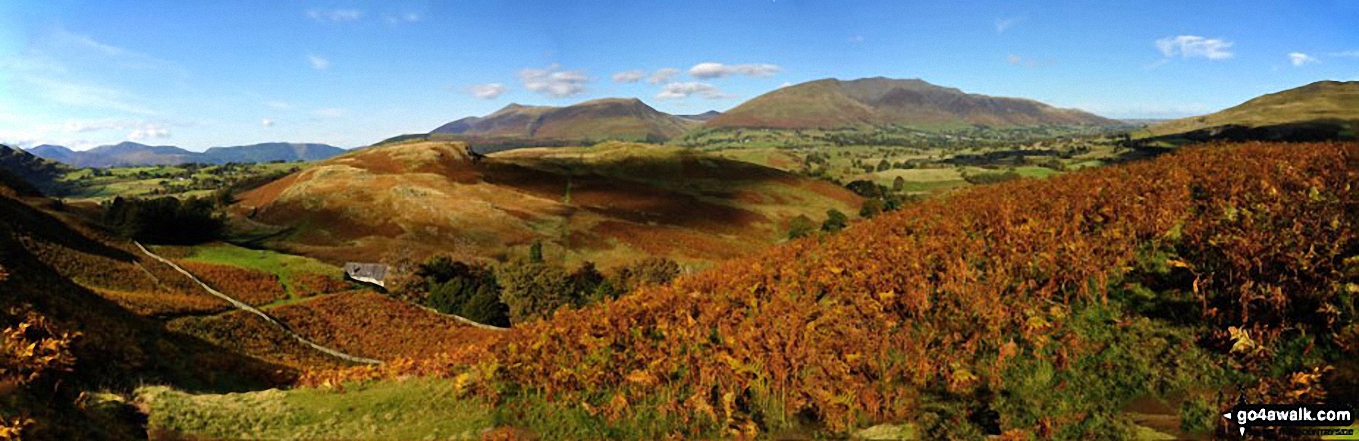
(370, 271)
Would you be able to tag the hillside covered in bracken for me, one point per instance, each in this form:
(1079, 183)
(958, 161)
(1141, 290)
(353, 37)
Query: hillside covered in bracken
(1034, 308)
(609, 203)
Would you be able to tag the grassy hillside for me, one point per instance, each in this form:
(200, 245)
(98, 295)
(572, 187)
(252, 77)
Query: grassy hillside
(415, 409)
(1323, 103)
(611, 203)
(1035, 308)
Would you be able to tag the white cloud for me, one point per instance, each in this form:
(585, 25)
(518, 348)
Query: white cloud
(662, 75)
(488, 91)
(334, 15)
(1299, 58)
(718, 70)
(1004, 24)
(280, 105)
(149, 131)
(329, 112)
(409, 17)
(553, 81)
(856, 38)
(266, 122)
(631, 76)
(1193, 46)
(785, 84)
(318, 62)
(684, 90)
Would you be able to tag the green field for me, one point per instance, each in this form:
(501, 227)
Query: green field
(285, 266)
(411, 409)
(102, 184)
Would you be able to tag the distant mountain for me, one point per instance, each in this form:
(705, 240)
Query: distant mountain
(831, 103)
(1321, 110)
(272, 151)
(134, 154)
(131, 153)
(623, 119)
(702, 116)
(53, 152)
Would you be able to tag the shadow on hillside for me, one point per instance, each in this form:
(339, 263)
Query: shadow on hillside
(26, 220)
(118, 350)
(668, 190)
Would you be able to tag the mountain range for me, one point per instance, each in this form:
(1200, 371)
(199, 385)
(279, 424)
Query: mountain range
(833, 103)
(135, 154)
(827, 103)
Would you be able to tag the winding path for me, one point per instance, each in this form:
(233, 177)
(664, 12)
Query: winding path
(251, 309)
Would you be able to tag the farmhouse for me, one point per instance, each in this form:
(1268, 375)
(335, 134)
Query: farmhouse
(373, 273)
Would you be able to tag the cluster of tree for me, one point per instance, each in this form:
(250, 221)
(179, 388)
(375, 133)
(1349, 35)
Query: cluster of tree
(990, 178)
(164, 220)
(802, 226)
(523, 289)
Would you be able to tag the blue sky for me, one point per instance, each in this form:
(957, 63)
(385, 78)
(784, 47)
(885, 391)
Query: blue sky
(200, 74)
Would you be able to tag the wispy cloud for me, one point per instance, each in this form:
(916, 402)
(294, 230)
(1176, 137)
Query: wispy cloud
(85, 95)
(266, 122)
(488, 91)
(97, 125)
(1345, 54)
(1298, 59)
(1193, 46)
(855, 38)
(1005, 24)
(662, 75)
(683, 90)
(409, 17)
(74, 69)
(280, 105)
(719, 70)
(149, 131)
(631, 76)
(329, 112)
(553, 81)
(334, 15)
(318, 62)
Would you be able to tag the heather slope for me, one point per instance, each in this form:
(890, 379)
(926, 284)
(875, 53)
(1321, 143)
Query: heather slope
(609, 203)
(1052, 311)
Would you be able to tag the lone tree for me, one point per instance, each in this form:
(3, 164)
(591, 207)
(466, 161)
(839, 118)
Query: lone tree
(835, 221)
(800, 226)
(536, 252)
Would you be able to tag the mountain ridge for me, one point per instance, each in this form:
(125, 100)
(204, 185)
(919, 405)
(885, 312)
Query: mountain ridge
(617, 119)
(130, 153)
(877, 101)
